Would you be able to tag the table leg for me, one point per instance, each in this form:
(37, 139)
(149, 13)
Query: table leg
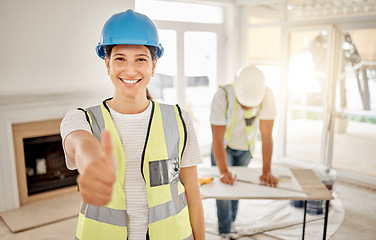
(326, 218)
(304, 219)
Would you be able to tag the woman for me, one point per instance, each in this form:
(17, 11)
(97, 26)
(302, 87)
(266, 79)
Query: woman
(136, 158)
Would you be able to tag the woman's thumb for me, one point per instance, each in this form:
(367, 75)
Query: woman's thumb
(107, 147)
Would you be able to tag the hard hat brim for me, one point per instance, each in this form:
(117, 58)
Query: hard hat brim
(100, 49)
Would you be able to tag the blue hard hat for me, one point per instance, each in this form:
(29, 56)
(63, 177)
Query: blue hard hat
(129, 27)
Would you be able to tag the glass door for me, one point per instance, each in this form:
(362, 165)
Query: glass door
(307, 91)
(355, 111)
(162, 86)
(200, 70)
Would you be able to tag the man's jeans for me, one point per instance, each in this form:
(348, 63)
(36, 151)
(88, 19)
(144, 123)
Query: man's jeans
(227, 209)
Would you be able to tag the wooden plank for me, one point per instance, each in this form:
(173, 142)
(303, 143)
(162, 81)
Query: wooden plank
(311, 185)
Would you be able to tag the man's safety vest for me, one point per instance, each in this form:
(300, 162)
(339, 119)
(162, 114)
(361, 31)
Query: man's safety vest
(160, 166)
(251, 118)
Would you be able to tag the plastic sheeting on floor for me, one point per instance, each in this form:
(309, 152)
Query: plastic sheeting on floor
(276, 219)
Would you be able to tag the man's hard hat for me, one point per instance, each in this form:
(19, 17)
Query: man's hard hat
(129, 27)
(249, 86)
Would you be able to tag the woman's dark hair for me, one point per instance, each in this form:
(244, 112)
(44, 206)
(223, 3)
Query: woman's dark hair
(153, 50)
(108, 50)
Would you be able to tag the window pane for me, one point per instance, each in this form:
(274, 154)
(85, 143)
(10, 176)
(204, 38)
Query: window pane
(161, 86)
(306, 80)
(355, 122)
(184, 12)
(200, 57)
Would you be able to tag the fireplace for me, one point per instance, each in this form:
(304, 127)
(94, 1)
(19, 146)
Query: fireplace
(24, 116)
(45, 165)
(40, 163)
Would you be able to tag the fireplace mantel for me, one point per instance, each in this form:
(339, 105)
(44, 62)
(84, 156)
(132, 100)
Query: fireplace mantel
(32, 107)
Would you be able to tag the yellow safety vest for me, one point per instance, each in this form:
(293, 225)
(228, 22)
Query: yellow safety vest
(160, 166)
(251, 118)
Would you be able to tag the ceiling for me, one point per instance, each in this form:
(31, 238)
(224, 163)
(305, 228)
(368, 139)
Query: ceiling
(326, 8)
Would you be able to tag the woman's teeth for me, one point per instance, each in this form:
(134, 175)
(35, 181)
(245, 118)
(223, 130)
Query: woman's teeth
(129, 81)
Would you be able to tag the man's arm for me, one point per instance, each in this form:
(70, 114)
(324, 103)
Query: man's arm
(266, 129)
(219, 153)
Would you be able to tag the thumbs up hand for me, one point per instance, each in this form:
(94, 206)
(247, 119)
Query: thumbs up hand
(108, 157)
(97, 180)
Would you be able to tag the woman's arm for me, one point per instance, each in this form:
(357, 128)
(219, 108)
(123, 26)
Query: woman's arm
(189, 178)
(95, 163)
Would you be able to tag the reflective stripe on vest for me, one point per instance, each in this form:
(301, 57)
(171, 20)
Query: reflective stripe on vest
(251, 118)
(167, 209)
(97, 122)
(166, 139)
(105, 214)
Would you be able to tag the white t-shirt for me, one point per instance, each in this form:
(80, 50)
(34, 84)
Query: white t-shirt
(218, 116)
(132, 129)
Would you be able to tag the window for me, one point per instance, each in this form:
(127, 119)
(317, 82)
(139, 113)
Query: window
(188, 71)
(162, 86)
(200, 52)
(307, 82)
(355, 117)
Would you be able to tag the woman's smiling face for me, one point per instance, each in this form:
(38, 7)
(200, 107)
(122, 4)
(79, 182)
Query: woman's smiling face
(130, 68)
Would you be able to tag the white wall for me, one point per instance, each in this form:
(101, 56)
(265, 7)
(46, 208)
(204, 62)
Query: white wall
(48, 66)
(49, 46)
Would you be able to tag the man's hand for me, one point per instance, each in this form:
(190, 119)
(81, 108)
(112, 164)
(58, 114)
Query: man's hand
(97, 180)
(227, 178)
(269, 180)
